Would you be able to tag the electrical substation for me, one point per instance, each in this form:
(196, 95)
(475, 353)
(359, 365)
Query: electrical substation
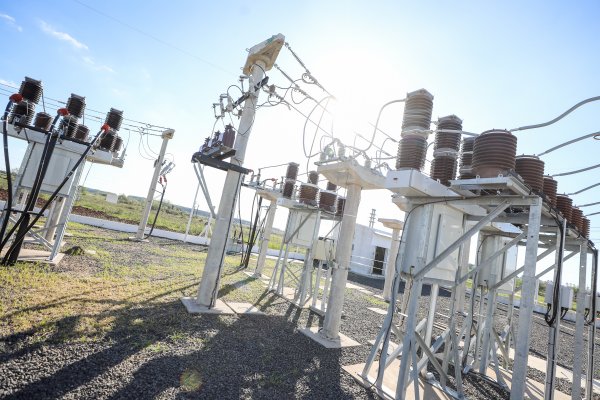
(477, 193)
(475, 222)
(57, 149)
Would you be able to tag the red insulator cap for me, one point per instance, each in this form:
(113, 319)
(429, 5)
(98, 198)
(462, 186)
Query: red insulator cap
(63, 112)
(105, 127)
(16, 98)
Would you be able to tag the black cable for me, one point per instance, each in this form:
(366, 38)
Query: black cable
(9, 199)
(550, 319)
(162, 196)
(60, 186)
(252, 238)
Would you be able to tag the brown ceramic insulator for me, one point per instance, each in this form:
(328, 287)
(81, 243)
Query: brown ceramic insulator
(577, 218)
(24, 111)
(549, 189)
(42, 120)
(107, 140)
(585, 227)
(31, 90)
(114, 118)
(448, 140)
(531, 169)
(117, 144)
(313, 177)
(411, 152)
(417, 110)
(565, 205)
(292, 171)
(443, 169)
(82, 133)
(332, 187)
(340, 206)
(308, 194)
(328, 201)
(76, 105)
(467, 144)
(494, 153)
(288, 188)
(69, 126)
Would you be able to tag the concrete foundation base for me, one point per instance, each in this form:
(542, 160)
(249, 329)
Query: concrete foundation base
(38, 256)
(194, 308)
(343, 341)
(134, 239)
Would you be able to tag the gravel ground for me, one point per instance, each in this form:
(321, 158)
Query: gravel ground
(156, 350)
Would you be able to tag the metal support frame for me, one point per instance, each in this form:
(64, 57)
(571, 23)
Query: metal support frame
(303, 279)
(166, 136)
(579, 322)
(265, 238)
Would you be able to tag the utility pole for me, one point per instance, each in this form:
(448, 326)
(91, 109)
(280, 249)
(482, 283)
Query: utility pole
(166, 136)
(260, 59)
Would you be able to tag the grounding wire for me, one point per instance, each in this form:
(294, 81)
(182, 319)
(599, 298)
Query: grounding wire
(570, 110)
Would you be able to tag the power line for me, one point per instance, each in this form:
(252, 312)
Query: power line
(155, 38)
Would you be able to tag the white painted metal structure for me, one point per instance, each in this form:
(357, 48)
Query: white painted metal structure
(166, 136)
(419, 196)
(272, 196)
(260, 59)
(354, 177)
(64, 157)
(396, 226)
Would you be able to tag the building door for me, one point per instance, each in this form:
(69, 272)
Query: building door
(378, 262)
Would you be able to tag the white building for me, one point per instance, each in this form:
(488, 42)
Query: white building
(370, 248)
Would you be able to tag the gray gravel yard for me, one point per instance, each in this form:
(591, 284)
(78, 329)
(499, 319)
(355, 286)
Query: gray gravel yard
(109, 324)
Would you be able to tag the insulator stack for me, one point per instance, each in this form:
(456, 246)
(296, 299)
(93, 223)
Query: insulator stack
(117, 144)
(332, 187)
(466, 158)
(76, 105)
(308, 194)
(288, 188)
(448, 140)
(328, 201)
(229, 136)
(22, 110)
(69, 126)
(107, 140)
(313, 177)
(550, 186)
(411, 152)
(494, 153)
(292, 171)
(443, 169)
(531, 169)
(82, 133)
(577, 218)
(417, 113)
(585, 230)
(31, 90)
(340, 206)
(565, 205)
(42, 121)
(114, 118)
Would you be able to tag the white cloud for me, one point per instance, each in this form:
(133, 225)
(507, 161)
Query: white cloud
(62, 36)
(94, 65)
(11, 21)
(8, 83)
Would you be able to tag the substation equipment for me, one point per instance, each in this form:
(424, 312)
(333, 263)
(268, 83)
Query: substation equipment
(57, 149)
(213, 153)
(310, 210)
(506, 202)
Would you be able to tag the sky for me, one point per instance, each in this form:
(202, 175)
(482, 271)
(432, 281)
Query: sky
(494, 64)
